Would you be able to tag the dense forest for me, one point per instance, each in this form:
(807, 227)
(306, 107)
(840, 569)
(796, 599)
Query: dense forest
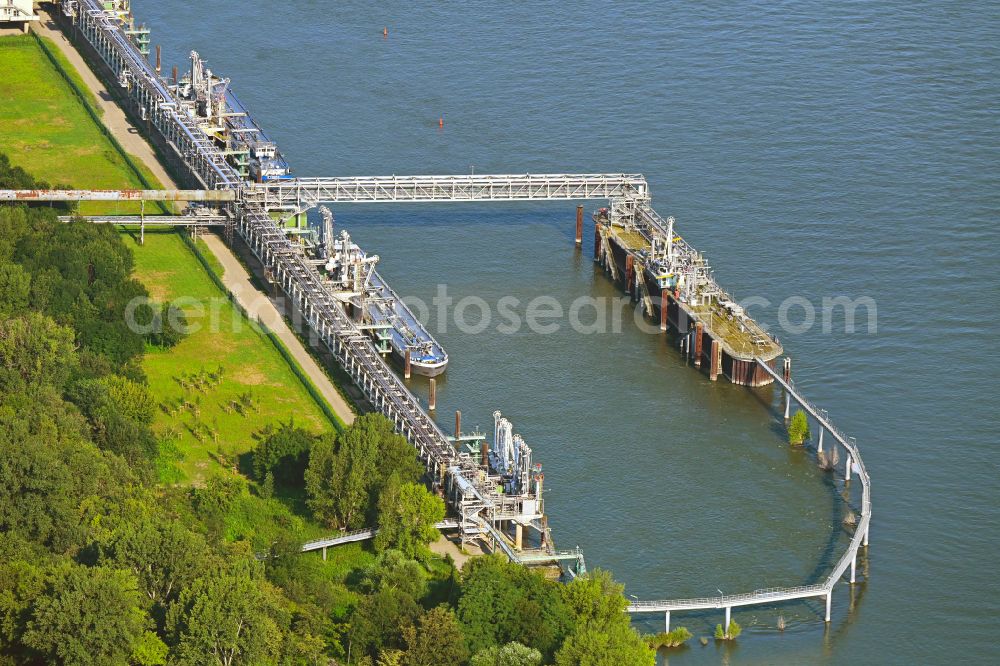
(100, 563)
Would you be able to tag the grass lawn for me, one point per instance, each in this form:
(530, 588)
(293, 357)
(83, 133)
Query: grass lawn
(46, 130)
(211, 420)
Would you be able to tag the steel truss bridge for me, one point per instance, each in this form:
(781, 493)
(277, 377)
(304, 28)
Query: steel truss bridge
(505, 187)
(248, 205)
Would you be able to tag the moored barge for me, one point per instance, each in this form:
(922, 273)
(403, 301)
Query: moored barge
(673, 283)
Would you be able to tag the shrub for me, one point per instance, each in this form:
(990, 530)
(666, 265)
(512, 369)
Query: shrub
(670, 639)
(730, 634)
(798, 428)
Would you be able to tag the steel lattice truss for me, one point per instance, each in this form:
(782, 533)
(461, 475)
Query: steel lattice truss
(521, 187)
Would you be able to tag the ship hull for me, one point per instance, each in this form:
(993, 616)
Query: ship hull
(420, 368)
(681, 321)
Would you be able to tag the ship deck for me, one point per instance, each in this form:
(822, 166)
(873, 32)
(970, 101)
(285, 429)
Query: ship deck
(742, 340)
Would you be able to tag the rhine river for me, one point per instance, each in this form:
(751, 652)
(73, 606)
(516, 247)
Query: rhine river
(809, 150)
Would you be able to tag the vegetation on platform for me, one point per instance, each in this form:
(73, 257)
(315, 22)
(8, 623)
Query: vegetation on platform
(730, 633)
(669, 639)
(798, 428)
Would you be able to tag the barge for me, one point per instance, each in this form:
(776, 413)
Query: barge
(674, 283)
(376, 308)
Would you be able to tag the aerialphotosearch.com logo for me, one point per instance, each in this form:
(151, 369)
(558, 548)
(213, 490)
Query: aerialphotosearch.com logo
(590, 315)
(544, 314)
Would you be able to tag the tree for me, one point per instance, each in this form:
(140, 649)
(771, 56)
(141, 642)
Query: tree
(213, 503)
(44, 485)
(88, 616)
(164, 555)
(284, 453)
(349, 471)
(149, 650)
(604, 634)
(322, 489)
(340, 478)
(34, 351)
(511, 654)
(396, 457)
(596, 598)
(378, 620)
(501, 602)
(591, 645)
(15, 287)
(407, 514)
(169, 325)
(798, 428)
(228, 617)
(437, 639)
(120, 412)
(130, 398)
(393, 570)
(390, 658)
(21, 583)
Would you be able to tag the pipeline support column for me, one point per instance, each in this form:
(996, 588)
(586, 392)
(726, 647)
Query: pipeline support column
(630, 275)
(699, 330)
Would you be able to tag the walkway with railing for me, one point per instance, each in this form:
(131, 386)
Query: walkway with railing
(778, 594)
(359, 535)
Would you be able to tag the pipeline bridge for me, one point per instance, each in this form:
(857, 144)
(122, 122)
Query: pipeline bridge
(377, 189)
(211, 220)
(248, 208)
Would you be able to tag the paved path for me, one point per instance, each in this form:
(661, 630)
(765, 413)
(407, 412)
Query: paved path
(113, 117)
(237, 280)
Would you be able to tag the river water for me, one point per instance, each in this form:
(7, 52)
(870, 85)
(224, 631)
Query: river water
(810, 150)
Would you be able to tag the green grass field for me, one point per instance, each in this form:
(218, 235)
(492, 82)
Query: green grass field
(211, 421)
(45, 127)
